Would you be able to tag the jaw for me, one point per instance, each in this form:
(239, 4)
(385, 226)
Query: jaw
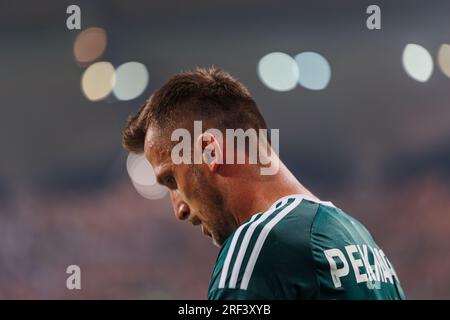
(219, 238)
(206, 231)
(214, 242)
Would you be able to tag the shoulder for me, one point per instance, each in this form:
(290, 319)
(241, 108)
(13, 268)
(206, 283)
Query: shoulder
(266, 248)
(335, 224)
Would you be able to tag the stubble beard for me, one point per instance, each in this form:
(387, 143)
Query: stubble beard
(221, 223)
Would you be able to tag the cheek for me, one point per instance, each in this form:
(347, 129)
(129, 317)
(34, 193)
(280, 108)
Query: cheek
(190, 183)
(199, 193)
(187, 188)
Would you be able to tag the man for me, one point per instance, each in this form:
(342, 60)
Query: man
(277, 240)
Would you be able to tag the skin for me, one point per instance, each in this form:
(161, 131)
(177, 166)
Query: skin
(219, 197)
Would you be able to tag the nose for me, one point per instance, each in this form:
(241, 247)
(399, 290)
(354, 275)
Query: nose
(182, 212)
(180, 207)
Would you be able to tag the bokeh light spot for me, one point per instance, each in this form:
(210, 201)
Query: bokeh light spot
(278, 71)
(314, 70)
(89, 45)
(131, 80)
(417, 62)
(98, 80)
(143, 177)
(444, 59)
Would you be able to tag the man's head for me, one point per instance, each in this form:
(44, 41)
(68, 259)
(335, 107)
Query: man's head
(202, 193)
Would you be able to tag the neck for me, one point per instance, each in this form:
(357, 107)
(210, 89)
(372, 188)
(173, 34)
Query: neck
(260, 192)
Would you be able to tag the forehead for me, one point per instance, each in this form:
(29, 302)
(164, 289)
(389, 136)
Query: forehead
(157, 148)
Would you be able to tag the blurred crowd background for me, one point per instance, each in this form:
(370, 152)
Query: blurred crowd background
(372, 136)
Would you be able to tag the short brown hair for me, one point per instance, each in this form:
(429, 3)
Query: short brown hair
(207, 93)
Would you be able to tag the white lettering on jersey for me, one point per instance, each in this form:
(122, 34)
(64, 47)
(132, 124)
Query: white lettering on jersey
(356, 263)
(365, 258)
(372, 271)
(336, 273)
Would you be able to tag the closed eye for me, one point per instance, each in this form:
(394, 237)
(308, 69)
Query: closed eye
(168, 180)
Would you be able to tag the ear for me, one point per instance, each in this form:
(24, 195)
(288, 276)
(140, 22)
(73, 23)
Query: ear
(212, 149)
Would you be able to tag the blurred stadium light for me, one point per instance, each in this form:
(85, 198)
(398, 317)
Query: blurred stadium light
(444, 59)
(143, 178)
(278, 71)
(417, 62)
(131, 80)
(89, 45)
(98, 80)
(314, 70)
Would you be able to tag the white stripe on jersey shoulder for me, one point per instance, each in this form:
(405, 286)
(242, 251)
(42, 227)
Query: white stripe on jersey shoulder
(309, 198)
(246, 241)
(262, 237)
(260, 241)
(226, 265)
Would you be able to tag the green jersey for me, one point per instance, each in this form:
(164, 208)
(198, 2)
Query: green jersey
(303, 249)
